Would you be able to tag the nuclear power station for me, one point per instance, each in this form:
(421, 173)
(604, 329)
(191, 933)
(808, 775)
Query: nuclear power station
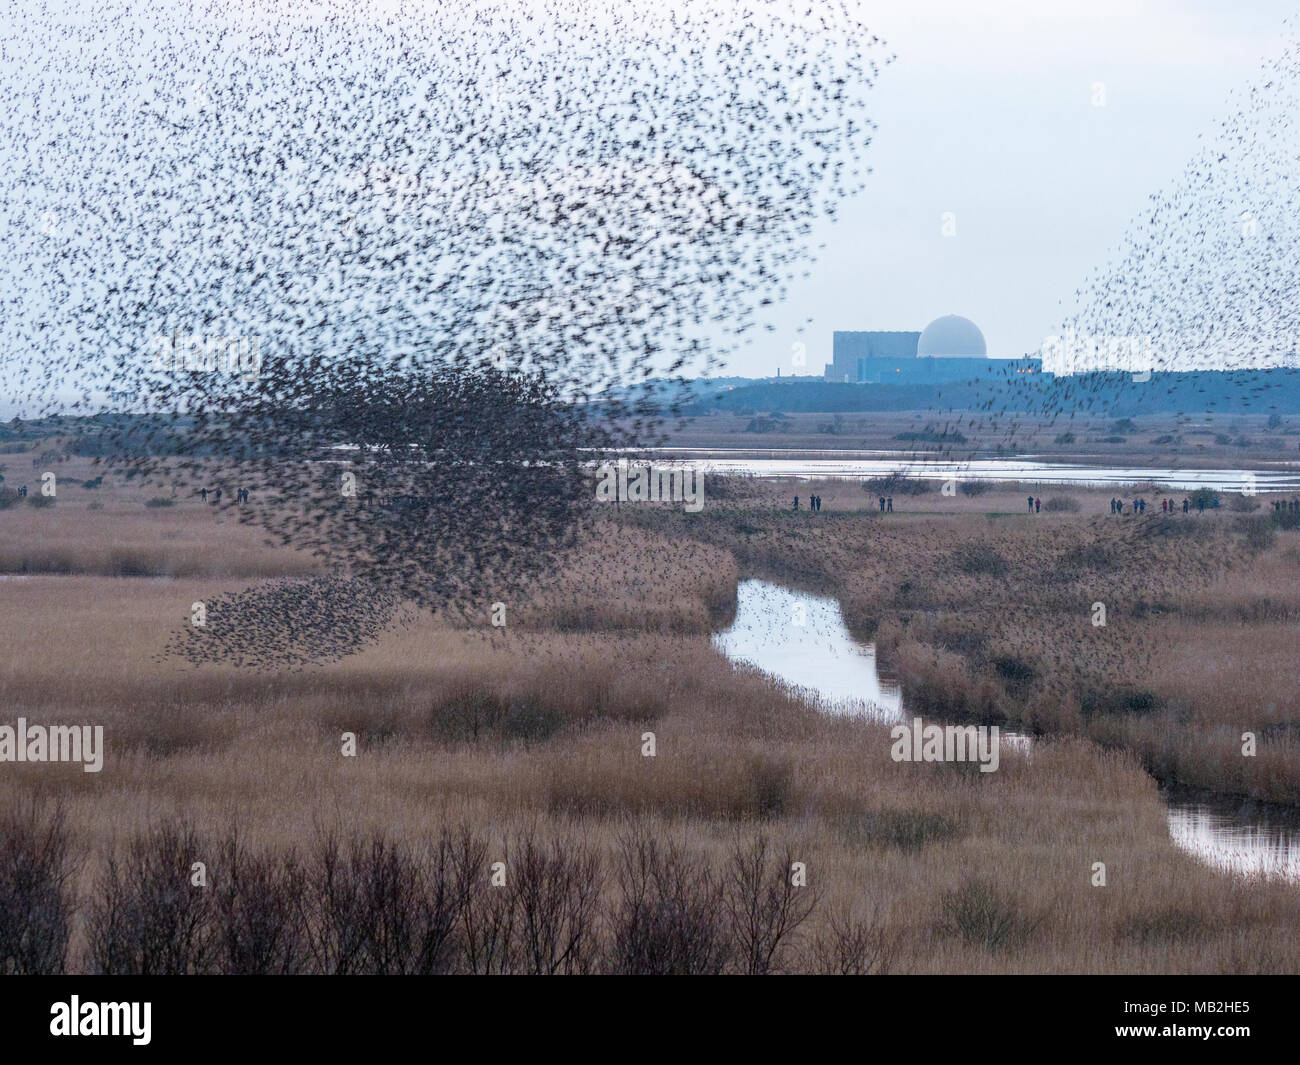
(950, 348)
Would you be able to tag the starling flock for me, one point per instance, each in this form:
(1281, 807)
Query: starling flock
(1208, 275)
(287, 624)
(1205, 279)
(391, 266)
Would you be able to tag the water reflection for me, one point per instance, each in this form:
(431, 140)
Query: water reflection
(1249, 839)
(802, 640)
(853, 465)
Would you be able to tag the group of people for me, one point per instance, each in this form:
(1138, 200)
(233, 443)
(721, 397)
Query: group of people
(241, 495)
(1139, 506)
(1167, 506)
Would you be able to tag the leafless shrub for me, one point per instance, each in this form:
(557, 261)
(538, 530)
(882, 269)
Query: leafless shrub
(489, 915)
(147, 917)
(854, 946)
(1062, 505)
(668, 917)
(36, 901)
(258, 902)
(773, 788)
(764, 905)
(374, 907)
(984, 916)
(442, 902)
(559, 893)
(334, 910)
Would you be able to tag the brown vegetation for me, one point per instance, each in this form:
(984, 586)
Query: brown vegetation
(524, 745)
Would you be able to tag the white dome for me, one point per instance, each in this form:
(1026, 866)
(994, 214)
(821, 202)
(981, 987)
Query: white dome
(952, 335)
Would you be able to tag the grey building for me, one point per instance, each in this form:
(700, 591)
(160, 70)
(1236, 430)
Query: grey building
(950, 348)
(851, 350)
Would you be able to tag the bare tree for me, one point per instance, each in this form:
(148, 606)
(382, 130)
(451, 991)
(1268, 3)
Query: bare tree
(36, 901)
(764, 905)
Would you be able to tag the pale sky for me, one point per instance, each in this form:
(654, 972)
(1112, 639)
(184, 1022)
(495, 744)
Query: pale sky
(989, 123)
(987, 113)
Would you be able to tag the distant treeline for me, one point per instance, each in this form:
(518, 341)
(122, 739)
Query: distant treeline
(1106, 394)
(119, 435)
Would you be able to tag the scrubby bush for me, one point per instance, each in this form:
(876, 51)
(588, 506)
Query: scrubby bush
(668, 918)
(1062, 505)
(897, 485)
(764, 908)
(931, 436)
(906, 830)
(980, 560)
(983, 916)
(147, 917)
(36, 902)
(854, 946)
(1258, 533)
(1116, 699)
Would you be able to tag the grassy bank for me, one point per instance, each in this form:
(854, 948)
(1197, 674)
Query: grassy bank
(1164, 636)
(527, 745)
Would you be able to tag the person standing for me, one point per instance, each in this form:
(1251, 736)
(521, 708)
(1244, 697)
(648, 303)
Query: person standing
(890, 507)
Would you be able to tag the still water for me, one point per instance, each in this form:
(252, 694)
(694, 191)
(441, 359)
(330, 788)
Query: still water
(860, 465)
(802, 640)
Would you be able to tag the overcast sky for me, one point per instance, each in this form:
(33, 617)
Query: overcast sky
(988, 114)
(1034, 131)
